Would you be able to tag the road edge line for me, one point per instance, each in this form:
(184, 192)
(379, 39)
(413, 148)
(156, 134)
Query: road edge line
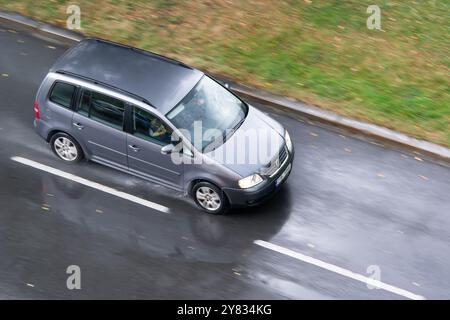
(338, 270)
(91, 184)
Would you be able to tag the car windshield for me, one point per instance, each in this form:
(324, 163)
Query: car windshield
(208, 114)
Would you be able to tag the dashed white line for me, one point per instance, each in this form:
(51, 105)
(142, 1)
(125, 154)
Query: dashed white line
(339, 270)
(91, 184)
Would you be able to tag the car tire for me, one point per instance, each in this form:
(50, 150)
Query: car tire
(210, 198)
(66, 147)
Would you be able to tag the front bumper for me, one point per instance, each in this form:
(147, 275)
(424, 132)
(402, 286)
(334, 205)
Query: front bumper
(261, 193)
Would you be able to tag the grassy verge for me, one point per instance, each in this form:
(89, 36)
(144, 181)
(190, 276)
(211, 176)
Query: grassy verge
(320, 52)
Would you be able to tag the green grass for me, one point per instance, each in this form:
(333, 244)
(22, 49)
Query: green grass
(316, 51)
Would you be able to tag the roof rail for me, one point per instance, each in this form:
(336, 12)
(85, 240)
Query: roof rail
(142, 51)
(132, 95)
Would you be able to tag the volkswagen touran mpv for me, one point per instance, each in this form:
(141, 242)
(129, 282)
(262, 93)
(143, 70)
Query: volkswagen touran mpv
(161, 120)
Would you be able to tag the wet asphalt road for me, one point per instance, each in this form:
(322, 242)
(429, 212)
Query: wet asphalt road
(349, 202)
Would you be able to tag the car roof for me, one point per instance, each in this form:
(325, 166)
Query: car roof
(159, 81)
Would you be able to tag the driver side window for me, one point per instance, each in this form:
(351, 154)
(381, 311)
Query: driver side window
(149, 127)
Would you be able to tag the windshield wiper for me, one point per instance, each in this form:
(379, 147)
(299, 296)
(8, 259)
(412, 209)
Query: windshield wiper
(239, 124)
(225, 136)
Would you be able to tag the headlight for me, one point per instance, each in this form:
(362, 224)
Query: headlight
(288, 140)
(250, 181)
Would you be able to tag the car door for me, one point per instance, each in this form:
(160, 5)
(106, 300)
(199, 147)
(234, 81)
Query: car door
(98, 123)
(148, 135)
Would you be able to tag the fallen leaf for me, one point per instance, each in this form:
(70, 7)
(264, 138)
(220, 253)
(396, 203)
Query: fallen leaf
(313, 134)
(418, 159)
(423, 177)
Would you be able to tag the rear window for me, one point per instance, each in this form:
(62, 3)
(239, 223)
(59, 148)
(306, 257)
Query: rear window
(62, 94)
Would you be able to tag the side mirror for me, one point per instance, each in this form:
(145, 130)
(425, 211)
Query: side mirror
(167, 149)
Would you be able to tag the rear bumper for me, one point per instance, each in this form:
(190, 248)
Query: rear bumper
(259, 194)
(41, 128)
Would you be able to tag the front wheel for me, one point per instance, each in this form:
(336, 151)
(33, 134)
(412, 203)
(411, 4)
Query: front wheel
(210, 198)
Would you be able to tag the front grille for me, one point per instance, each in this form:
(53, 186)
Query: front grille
(276, 163)
(283, 154)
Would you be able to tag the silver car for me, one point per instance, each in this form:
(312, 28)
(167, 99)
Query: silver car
(161, 120)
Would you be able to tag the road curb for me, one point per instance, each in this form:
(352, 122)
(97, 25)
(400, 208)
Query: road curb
(44, 27)
(307, 111)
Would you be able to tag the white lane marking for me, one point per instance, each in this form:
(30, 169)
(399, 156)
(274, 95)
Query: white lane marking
(338, 270)
(91, 184)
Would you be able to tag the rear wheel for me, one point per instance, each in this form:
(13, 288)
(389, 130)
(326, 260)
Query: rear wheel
(210, 198)
(66, 147)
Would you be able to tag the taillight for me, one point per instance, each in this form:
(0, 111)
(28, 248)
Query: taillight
(36, 110)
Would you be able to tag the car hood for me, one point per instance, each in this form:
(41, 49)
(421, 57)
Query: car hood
(252, 146)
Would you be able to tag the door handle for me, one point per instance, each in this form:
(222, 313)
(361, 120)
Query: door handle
(78, 125)
(134, 148)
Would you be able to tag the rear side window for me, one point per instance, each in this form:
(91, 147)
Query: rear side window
(102, 108)
(62, 94)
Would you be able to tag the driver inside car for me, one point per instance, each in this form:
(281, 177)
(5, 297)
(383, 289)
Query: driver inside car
(158, 130)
